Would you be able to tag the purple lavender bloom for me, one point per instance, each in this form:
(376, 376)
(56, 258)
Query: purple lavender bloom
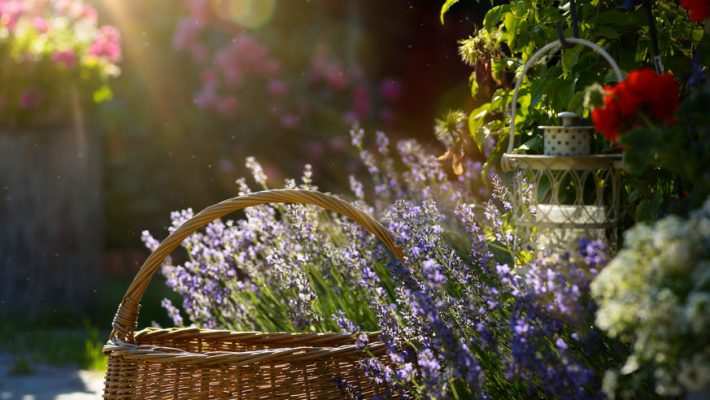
(173, 312)
(456, 315)
(382, 143)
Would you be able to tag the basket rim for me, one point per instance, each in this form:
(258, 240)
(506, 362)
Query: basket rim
(161, 354)
(176, 333)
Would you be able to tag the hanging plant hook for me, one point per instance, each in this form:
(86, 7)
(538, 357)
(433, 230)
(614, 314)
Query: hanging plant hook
(657, 60)
(573, 16)
(575, 26)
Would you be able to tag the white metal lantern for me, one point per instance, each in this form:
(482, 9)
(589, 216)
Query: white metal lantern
(565, 194)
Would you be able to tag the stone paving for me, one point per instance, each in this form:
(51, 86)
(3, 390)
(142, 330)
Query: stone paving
(49, 382)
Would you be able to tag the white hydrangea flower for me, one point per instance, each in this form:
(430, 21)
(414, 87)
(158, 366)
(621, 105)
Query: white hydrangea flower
(655, 294)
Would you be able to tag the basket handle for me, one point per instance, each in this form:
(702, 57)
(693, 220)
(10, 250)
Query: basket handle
(124, 323)
(550, 47)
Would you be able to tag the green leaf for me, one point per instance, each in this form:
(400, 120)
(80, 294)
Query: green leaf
(475, 124)
(569, 58)
(532, 145)
(608, 32)
(511, 23)
(576, 105)
(519, 9)
(648, 209)
(618, 18)
(104, 93)
(640, 145)
(494, 16)
(446, 7)
(562, 91)
(474, 84)
(538, 90)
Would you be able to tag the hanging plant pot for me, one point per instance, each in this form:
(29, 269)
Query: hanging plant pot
(568, 139)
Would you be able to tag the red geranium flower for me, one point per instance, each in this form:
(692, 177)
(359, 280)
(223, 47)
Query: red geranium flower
(643, 91)
(698, 10)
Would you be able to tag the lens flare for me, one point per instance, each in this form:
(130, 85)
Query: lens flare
(248, 13)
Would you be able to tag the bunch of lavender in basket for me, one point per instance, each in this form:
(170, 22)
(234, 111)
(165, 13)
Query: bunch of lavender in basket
(459, 319)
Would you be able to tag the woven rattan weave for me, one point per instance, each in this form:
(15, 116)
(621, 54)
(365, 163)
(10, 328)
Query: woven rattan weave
(191, 363)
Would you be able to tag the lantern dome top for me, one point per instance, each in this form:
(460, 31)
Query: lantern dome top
(569, 119)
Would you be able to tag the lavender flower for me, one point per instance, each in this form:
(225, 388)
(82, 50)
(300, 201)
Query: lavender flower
(457, 316)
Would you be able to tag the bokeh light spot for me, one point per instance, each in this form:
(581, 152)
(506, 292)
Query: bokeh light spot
(248, 13)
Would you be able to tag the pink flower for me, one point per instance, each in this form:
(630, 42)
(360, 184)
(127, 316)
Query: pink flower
(315, 150)
(210, 77)
(200, 10)
(107, 45)
(30, 99)
(361, 99)
(65, 58)
(335, 76)
(199, 52)
(277, 87)
(41, 25)
(272, 67)
(338, 143)
(232, 77)
(88, 12)
(387, 116)
(350, 118)
(391, 90)
(289, 121)
(187, 32)
(10, 13)
(206, 98)
(69, 8)
(227, 105)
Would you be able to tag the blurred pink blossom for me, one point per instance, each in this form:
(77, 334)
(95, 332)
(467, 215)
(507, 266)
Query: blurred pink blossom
(69, 8)
(227, 105)
(200, 10)
(315, 150)
(338, 143)
(272, 67)
(65, 58)
(361, 99)
(88, 12)
(210, 77)
(358, 73)
(206, 98)
(107, 44)
(335, 76)
(41, 25)
(387, 116)
(10, 12)
(199, 52)
(350, 118)
(232, 77)
(289, 121)
(391, 89)
(30, 98)
(277, 87)
(187, 32)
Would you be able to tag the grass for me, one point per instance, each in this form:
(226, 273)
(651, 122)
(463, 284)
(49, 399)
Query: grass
(58, 346)
(78, 340)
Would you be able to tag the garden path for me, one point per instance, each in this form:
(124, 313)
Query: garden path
(49, 382)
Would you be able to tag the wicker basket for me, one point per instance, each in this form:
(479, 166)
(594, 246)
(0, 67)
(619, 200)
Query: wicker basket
(194, 363)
